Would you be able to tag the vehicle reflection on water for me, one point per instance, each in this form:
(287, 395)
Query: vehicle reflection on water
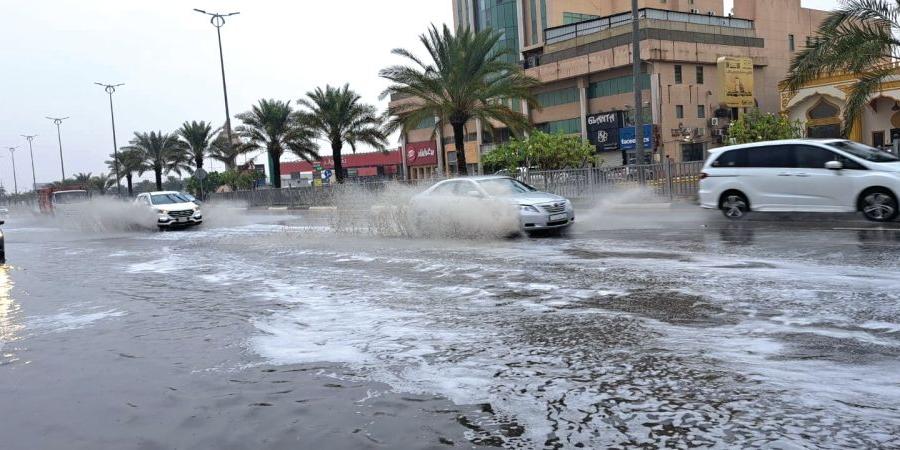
(10, 317)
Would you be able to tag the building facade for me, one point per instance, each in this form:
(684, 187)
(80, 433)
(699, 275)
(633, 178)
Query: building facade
(819, 106)
(580, 51)
(357, 166)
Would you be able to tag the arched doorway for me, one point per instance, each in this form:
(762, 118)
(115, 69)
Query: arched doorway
(823, 120)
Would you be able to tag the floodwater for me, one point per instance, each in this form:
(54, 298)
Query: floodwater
(638, 329)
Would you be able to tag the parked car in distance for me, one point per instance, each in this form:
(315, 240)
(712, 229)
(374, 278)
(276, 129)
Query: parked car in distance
(803, 176)
(172, 210)
(2, 245)
(536, 210)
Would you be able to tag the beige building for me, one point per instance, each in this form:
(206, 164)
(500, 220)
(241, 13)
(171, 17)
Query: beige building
(819, 106)
(580, 50)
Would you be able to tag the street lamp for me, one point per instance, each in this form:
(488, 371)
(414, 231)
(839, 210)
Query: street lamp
(12, 155)
(62, 166)
(111, 89)
(636, 74)
(218, 20)
(31, 152)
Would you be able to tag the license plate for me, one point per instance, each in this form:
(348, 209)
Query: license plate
(181, 219)
(555, 217)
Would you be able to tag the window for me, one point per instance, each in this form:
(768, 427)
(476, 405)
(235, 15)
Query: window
(770, 156)
(878, 139)
(677, 73)
(679, 112)
(532, 11)
(809, 157)
(615, 86)
(571, 17)
(558, 97)
(864, 151)
(731, 158)
(791, 42)
(427, 122)
(448, 188)
(699, 74)
(701, 111)
(568, 126)
(692, 152)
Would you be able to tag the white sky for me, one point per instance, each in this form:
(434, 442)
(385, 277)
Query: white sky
(167, 55)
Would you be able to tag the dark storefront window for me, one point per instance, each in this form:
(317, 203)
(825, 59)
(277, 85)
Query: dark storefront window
(691, 152)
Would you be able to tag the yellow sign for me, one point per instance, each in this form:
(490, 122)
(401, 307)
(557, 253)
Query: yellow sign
(735, 81)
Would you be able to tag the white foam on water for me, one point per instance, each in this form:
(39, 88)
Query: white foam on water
(67, 321)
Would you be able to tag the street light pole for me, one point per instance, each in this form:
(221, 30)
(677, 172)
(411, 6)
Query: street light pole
(111, 89)
(12, 155)
(31, 153)
(218, 20)
(62, 165)
(636, 73)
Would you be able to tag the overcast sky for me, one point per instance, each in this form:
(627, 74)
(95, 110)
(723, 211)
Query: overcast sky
(166, 54)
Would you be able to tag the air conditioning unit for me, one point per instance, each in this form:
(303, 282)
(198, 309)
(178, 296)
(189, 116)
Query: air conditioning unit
(718, 132)
(714, 122)
(695, 11)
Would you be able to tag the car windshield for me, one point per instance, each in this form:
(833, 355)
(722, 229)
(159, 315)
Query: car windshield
(864, 151)
(504, 186)
(70, 197)
(167, 199)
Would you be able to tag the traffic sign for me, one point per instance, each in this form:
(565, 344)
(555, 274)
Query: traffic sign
(200, 174)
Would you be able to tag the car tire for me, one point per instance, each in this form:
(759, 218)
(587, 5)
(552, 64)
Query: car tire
(734, 205)
(879, 205)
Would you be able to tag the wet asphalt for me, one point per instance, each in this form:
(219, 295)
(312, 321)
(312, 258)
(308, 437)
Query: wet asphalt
(644, 327)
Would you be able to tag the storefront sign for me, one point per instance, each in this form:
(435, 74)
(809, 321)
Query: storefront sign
(627, 139)
(735, 81)
(603, 130)
(421, 153)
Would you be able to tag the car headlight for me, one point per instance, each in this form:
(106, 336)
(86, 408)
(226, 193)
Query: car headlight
(161, 211)
(528, 208)
(197, 212)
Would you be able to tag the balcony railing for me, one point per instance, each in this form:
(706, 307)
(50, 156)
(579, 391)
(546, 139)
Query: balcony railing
(571, 31)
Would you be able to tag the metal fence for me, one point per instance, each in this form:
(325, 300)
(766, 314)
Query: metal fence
(667, 181)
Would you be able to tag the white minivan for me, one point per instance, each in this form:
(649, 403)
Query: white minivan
(801, 175)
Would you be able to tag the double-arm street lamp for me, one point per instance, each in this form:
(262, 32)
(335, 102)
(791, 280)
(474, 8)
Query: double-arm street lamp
(62, 165)
(218, 20)
(111, 89)
(31, 153)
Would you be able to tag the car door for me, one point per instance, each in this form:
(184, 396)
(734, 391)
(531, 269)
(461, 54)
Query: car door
(817, 189)
(767, 178)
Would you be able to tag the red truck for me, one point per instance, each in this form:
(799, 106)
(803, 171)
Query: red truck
(50, 197)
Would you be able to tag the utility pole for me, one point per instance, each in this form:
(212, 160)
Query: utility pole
(636, 73)
(62, 165)
(31, 153)
(111, 89)
(218, 20)
(12, 155)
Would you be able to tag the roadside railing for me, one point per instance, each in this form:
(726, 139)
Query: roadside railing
(667, 181)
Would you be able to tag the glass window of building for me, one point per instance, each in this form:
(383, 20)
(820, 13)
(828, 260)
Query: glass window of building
(677, 73)
(699, 74)
(701, 111)
(533, 13)
(679, 111)
(558, 97)
(571, 17)
(500, 15)
(791, 42)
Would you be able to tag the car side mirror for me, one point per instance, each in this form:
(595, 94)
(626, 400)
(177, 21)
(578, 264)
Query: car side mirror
(834, 165)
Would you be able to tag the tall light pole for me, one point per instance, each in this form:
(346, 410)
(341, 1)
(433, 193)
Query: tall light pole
(31, 153)
(636, 73)
(111, 89)
(62, 165)
(12, 155)
(218, 20)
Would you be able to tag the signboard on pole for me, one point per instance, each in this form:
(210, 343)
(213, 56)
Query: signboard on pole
(627, 138)
(603, 130)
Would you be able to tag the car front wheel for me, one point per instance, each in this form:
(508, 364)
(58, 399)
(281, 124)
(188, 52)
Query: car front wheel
(735, 206)
(879, 206)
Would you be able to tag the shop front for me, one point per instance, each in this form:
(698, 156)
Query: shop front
(421, 159)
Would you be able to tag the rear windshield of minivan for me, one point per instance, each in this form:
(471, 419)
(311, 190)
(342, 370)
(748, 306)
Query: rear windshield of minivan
(864, 151)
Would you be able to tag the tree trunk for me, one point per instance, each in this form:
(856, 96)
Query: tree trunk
(198, 162)
(459, 140)
(158, 173)
(130, 186)
(338, 163)
(274, 157)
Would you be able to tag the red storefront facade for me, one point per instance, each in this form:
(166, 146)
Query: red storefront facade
(374, 165)
(421, 159)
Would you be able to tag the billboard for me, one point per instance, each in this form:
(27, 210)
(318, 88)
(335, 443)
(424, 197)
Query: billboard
(603, 130)
(627, 138)
(735, 81)
(421, 153)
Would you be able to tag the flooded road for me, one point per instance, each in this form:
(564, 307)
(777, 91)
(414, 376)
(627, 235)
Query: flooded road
(642, 329)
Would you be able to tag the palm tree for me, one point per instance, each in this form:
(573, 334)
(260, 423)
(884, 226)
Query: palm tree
(858, 37)
(465, 79)
(130, 161)
(101, 182)
(336, 115)
(160, 152)
(82, 178)
(196, 137)
(273, 125)
(228, 154)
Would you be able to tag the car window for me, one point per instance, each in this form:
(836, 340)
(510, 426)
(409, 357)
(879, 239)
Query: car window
(448, 188)
(505, 186)
(166, 199)
(770, 156)
(809, 157)
(864, 151)
(731, 158)
(463, 188)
